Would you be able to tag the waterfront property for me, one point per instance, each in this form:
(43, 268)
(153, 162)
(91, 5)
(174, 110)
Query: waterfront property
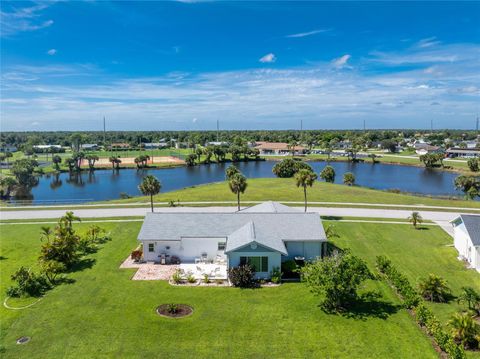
(278, 148)
(463, 152)
(467, 239)
(263, 236)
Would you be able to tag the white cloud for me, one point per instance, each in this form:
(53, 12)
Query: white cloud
(52, 52)
(20, 19)
(341, 62)
(268, 58)
(428, 42)
(308, 33)
(194, 120)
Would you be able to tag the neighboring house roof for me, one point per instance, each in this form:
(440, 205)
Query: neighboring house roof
(464, 150)
(472, 224)
(270, 207)
(89, 145)
(268, 229)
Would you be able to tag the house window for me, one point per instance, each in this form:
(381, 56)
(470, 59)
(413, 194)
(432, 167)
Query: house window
(259, 264)
(151, 247)
(221, 246)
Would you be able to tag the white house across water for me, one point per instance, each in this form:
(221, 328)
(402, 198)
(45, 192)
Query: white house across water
(466, 230)
(263, 236)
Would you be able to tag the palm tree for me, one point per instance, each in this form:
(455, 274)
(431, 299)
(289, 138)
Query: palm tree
(56, 161)
(305, 178)
(349, 179)
(231, 171)
(415, 218)
(150, 186)
(434, 288)
(68, 219)
(91, 161)
(45, 232)
(238, 184)
(471, 298)
(465, 330)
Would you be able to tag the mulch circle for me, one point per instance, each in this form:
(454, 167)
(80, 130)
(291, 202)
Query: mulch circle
(23, 340)
(183, 310)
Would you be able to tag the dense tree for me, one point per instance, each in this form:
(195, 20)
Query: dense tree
(24, 172)
(288, 167)
(337, 279)
(190, 159)
(150, 186)
(328, 174)
(305, 178)
(473, 164)
(7, 185)
(469, 185)
(431, 160)
(238, 184)
(349, 179)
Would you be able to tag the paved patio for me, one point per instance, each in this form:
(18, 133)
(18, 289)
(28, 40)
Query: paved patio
(150, 271)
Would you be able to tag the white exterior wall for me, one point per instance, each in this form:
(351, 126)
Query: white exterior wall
(187, 249)
(465, 248)
(274, 260)
(308, 249)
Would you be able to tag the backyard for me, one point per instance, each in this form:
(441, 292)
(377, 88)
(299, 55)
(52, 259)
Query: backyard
(104, 313)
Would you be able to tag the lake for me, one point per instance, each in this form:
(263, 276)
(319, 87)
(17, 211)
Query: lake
(108, 184)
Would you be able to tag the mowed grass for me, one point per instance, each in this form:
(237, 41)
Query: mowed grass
(284, 189)
(416, 253)
(105, 314)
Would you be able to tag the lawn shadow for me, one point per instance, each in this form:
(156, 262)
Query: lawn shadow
(422, 228)
(2, 258)
(332, 249)
(332, 218)
(81, 265)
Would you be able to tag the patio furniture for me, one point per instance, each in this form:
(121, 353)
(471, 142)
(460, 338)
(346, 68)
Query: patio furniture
(198, 260)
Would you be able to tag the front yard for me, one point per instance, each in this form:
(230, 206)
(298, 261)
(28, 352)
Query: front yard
(105, 314)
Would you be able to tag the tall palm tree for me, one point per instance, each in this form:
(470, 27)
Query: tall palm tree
(305, 178)
(415, 218)
(56, 161)
(231, 171)
(238, 184)
(150, 186)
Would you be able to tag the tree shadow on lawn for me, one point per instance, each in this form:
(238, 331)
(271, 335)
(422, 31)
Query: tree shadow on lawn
(85, 263)
(332, 218)
(369, 305)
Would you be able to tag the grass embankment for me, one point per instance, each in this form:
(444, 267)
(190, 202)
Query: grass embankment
(105, 314)
(416, 253)
(284, 189)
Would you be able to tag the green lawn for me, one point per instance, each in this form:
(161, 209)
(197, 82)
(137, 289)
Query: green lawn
(416, 253)
(105, 314)
(284, 189)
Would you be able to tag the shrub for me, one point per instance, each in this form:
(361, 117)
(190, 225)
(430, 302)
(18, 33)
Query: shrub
(242, 276)
(276, 275)
(206, 278)
(465, 330)
(434, 289)
(328, 174)
(349, 179)
(191, 279)
(136, 255)
(51, 270)
(28, 283)
(177, 277)
(172, 308)
(473, 164)
(288, 167)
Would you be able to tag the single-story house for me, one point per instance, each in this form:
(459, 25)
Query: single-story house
(120, 146)
(463, 152)
(426, 148)
(89, 147)
(278, 148)
(264, 236)
(466, 229)
(154, 145)
(44, 148)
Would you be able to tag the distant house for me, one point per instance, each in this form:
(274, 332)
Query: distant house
(216, 143)
(89, 147)
(154, 145)
(44, 148)
(278, 148)
(119, 146)
(263, 236)
(463, 152)
(423, 149)
(8, 148)
(343, 145)
(466, 229)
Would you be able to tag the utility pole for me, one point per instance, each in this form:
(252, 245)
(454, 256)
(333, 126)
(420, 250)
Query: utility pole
(218, 128)
(476, 125)
(364, 126)
(301, 125)
(104, 133)
(431, 125)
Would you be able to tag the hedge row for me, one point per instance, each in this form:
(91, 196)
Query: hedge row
(423, 315)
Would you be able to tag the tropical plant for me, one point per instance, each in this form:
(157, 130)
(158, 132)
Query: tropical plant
(349, 179)
(238, 184)
(191, 278)
(331, 231)
(206, 278)
(415, 218)
(231, 171)
(328, 174)
(374, 157)
(7, 185)
(56, 161)
(45, 233)
(24, 172)
(91, 161)
(434, 288)
(336, 279)
(173, 308)
(51, 269)
(471, 297)
(469, 185)
(288, 167)
(136, 255)
(150, 186)
(242, 276)
(432, 159)
(305, 178)
(190, 159)
(177, 277)
(115, 161)
(276, 275)
(27, 283)
(465, 330)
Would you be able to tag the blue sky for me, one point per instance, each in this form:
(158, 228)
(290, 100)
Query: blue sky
(252, 65)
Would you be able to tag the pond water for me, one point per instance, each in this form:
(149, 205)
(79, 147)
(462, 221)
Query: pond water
(108, 184)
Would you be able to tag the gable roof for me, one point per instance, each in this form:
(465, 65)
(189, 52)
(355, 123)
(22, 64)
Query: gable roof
(270, 207)
(246, 235)
(472, 224)
(269, 229)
